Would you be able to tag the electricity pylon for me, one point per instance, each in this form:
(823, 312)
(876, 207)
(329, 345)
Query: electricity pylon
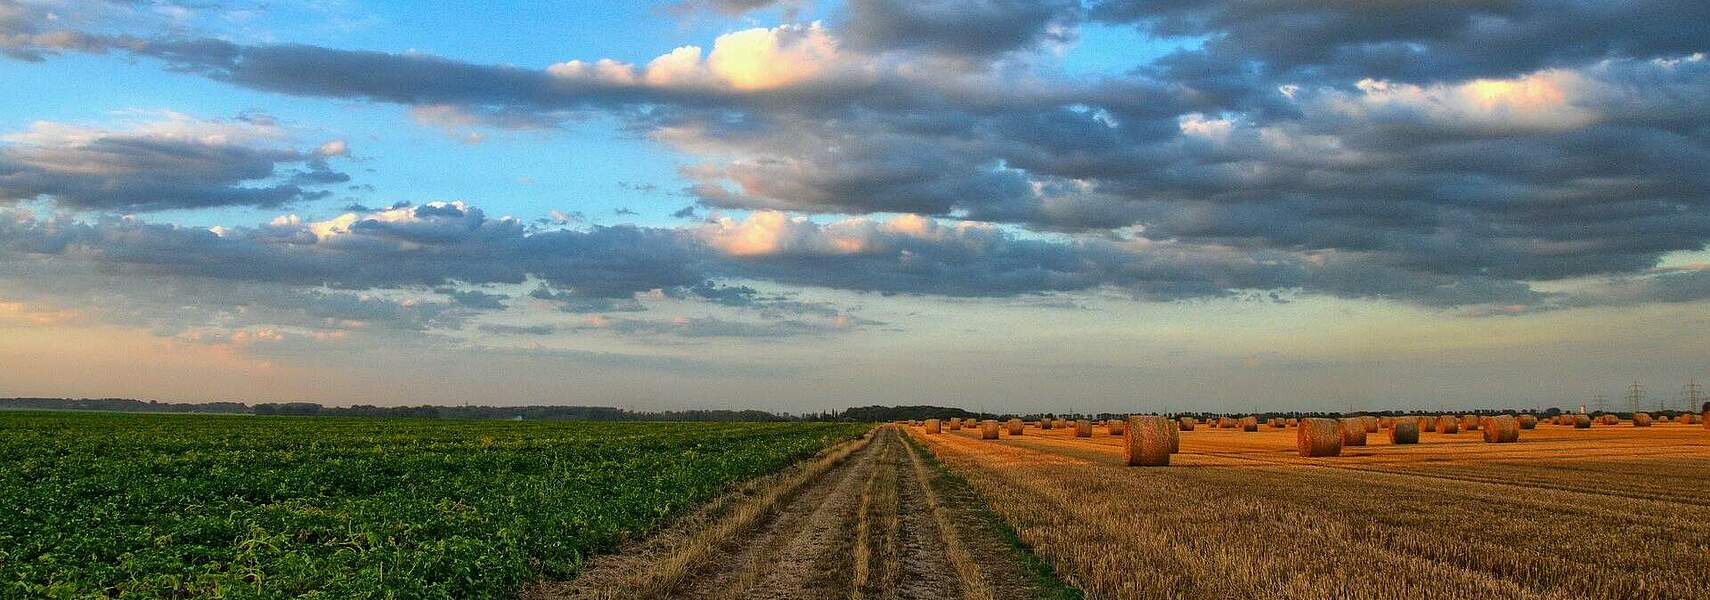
(1636, 396)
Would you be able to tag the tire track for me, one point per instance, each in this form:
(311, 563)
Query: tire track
(870, 526)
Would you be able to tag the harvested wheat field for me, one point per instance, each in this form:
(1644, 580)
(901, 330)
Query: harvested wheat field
(1607, 512)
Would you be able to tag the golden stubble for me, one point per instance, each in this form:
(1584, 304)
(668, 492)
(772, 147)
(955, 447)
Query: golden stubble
(1608, 512)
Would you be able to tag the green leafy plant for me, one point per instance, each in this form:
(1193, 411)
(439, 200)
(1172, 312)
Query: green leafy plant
(180, 506)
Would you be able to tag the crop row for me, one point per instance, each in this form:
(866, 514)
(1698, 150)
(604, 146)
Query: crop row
(163, 506)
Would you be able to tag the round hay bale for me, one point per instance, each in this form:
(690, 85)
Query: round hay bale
(1371, 424)
(1641, 420)
(1083, 428)
(1045, 423)
(1426, 423)
(1117, 426)
(1353, 432)
(1226, 423)
(932, 426)
(1016, 427)
(1404, 431)
(1704, 419)
(1277, 423)
(1501, 429)
(1385, 422)
(1318, 437)
(1582, 421)
(1175, 436)
(1469, 423)
(1186, 423)
(1611, 420)
(989, 429)
(1448, 424)
(955, 424)
(1292, 422)
(1249, 423)
(1146, 441)
(1527, 421)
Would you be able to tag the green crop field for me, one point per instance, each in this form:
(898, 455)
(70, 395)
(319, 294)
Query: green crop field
(160, 506)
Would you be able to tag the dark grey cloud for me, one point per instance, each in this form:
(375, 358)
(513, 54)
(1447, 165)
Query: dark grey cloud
(1664, 285)
(960, 27)
(319, 275)
(390, 249)
(169, 304)
(801, 165)
(499, 95)
(711, 327)
(919, 256)
(23, 35)
(474, 298)
(575, 301)
(601, 269)
(335, 307)
(155, 170)
(502, 329)
(1425, 41)
(503, 96)
(777, 305)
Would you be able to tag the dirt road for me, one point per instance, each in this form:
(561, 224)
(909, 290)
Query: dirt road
(877, 519)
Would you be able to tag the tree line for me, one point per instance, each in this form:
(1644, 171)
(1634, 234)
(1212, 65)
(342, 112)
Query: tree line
(608, 413)
(425, 411)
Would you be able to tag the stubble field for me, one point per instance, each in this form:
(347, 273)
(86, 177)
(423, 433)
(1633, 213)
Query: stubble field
(1606, 512)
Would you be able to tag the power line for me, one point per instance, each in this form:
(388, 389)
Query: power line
(1636, 397)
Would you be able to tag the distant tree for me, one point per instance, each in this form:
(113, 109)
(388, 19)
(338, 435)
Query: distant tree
(288, 408)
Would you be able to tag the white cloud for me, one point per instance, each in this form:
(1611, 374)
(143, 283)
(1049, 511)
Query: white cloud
(1545, 101)
(752, 59)
(774, 233)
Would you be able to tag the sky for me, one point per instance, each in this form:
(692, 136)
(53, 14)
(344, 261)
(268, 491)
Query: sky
(801, 205)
